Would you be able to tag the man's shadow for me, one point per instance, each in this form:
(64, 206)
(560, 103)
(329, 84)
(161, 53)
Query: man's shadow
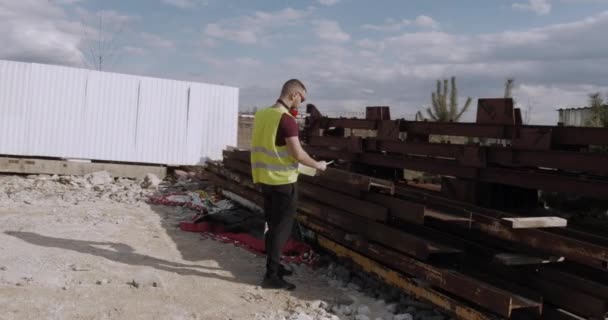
(120, 252)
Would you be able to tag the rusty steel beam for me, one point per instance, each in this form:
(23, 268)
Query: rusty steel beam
(359, 207)
(512, 157)
(566, 297)
(408, 285)
(597, 189)
(332, 185)
(403, 242)
(237, 165)
(555, 313)
(560, 136)
(398, 208)
(381, 233)
(241, 155)
(411, 148)
(247, 193)
(351, 144)
(572, 161)
(328, 154)
(582, 283)
(583, 252)
(528, 179)
(437, 166)
(487, 296)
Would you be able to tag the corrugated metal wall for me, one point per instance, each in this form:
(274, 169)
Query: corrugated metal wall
(55, 111)
(576, 117)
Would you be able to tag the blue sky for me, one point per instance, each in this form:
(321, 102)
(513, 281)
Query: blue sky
(350, 53)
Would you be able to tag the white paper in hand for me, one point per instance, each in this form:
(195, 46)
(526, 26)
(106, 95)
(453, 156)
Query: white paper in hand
(306, 170)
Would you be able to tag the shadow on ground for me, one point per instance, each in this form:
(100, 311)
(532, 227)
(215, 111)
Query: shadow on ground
(244, 267)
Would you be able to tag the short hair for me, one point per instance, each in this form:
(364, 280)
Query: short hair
(292, 85)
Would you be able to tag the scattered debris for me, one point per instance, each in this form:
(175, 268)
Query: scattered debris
(45, 190)
(151, 181)
(97, 178)
(133, 284)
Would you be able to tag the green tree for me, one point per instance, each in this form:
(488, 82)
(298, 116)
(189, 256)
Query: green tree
(599, 117)
(442, 110)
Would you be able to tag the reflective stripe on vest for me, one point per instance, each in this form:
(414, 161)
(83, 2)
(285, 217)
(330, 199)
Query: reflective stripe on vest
(270, 153)
(274, 167)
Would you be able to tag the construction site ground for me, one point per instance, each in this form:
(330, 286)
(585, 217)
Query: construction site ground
(100, 259)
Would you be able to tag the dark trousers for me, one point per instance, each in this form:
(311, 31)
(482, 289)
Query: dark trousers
(280, 210)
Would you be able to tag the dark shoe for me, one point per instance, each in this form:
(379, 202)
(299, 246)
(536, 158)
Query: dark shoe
(284, 272)
(276, 282)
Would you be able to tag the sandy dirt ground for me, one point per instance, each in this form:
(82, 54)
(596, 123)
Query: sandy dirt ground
(102, 259)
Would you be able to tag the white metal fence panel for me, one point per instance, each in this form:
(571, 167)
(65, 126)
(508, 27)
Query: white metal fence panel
(109, 118)
(14, 106)
(75, 113)
(56, 100)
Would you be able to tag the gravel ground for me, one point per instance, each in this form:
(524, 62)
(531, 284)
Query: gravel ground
(91, 248)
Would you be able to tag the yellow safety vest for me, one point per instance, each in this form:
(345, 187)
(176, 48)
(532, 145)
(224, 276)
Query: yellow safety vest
(271, 164)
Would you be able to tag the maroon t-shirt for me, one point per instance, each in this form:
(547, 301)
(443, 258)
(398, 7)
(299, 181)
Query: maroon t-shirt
(288, 127)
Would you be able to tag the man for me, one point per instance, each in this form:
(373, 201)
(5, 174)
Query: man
(275, 155)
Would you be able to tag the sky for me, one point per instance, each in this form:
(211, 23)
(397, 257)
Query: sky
(349, 53)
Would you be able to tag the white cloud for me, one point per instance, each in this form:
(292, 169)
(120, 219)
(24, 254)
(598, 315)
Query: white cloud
(254, 28)
(401, 70)
(390, 25)
(185, 4)
(38, 31)
(241, 36)
(64, 2)
(134, 50)
(540, 7)
(330, 31)
(426, 22)
(154, 40)
(248, 62)
(328, 2)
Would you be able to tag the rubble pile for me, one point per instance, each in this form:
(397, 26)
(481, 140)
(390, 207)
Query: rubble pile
(97, 186)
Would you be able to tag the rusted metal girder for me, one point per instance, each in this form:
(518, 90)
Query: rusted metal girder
(559, 136)
(482, 294)
(562, 245)
(554, 313)
(434, 165)
(495, 111)
(583, 252)
(247, 193)
(597, 189)
(567, 294)
(572, 161)
(403, 242)
(408, 285)
(415, 246)
(553, 290)
(471, 155)
(398, 208)
(395, 207)
(355, 206)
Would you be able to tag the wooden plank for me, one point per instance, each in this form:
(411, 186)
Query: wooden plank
(26, 165)
(535, 222)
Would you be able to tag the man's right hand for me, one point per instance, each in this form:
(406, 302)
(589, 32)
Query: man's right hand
(321, 165)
